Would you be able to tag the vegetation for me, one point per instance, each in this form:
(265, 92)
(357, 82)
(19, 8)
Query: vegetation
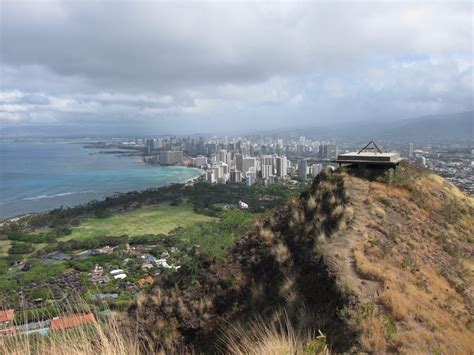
(160, 219)
(101, 336)
(404, 256)
(393, 255)
(188, 223)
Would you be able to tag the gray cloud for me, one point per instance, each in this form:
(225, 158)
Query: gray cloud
(211, 66)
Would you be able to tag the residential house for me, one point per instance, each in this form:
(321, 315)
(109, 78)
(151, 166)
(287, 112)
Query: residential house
(6, 322)
(75, 320)
(148, 280)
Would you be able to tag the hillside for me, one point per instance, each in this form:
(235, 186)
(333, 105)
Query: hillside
(349, 265)
(407, 256)
(375, 266)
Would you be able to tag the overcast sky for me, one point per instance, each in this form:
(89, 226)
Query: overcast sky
(187, 67)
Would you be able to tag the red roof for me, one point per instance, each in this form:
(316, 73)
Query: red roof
(146, 280)
(71, 321)
(6, 316)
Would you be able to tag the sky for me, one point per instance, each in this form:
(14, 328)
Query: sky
(155, 67)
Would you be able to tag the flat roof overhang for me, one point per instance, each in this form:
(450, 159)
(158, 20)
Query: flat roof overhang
(368, 162)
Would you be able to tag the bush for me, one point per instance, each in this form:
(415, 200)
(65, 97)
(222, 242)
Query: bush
(39, 292)
(20, 248)
(102, 214)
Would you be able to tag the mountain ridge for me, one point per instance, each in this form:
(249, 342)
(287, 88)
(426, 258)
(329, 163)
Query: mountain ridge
(377, 266)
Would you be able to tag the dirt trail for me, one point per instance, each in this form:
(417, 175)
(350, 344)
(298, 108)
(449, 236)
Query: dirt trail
(340, 252)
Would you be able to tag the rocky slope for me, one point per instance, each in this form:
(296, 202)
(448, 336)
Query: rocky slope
(375, 266)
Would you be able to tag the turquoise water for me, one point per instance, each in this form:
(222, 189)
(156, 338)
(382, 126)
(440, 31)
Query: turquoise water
(40, 176)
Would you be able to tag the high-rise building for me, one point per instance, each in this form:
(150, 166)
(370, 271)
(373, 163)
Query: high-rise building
(239, 161)
(320, 150)
(326, 151)
(159, 142)
(267, 160)
(199, 161)
(235, 176)
(170, 157)
(267, 171)
(281, 166)
(222, 156)
(316, 169)
(248, 163)
(210, 177)
(302, 169)
(149, 146)
(410, 150)
(250, 178)
(150, 143)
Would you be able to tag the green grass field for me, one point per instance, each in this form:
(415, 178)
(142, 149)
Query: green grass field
(159, 219)
(4, 246)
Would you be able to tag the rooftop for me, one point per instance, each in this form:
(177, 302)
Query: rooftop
(370, 154)
(71, 321)
(7, 315)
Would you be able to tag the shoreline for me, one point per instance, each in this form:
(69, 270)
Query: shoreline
(189, 181)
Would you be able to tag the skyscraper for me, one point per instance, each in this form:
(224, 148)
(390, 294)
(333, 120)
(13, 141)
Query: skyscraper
(267, 171)
(248, 163)
(281, 166)
(302, 169)
(239, 161)
(223, 155)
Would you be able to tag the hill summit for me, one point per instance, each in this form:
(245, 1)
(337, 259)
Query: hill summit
(374, 266)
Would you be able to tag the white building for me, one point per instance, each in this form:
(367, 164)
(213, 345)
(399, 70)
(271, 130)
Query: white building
(267, 171)
(222, 156)
(116, 272)
(199, 161)
(210, 177)
(243, 205)
(316, 169)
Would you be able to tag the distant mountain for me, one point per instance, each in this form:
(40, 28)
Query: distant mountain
(456, 127)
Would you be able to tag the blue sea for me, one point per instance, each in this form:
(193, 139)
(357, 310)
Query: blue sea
(39, 176)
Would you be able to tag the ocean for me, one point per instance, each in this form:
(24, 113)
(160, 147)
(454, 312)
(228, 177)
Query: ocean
(39, 176)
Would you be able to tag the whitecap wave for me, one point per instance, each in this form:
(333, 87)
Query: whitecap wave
(40, 197)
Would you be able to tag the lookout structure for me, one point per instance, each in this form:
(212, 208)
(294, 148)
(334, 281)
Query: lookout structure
(369, 157)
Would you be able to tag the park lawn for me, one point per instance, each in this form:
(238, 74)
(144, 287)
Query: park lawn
(4, 246)
(159, 219)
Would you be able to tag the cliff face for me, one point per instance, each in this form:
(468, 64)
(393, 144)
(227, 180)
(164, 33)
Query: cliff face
(375, 266)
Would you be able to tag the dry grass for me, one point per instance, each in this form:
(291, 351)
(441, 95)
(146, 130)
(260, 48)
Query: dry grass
(425, 286)
(271, 337)
(397, 304)
(106, 334)
(365, 268)
(99, 337)
(372, 335)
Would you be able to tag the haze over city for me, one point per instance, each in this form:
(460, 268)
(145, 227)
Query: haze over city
(83, 67)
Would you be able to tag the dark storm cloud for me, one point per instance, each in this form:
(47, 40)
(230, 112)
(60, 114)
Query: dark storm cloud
(204, 64)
